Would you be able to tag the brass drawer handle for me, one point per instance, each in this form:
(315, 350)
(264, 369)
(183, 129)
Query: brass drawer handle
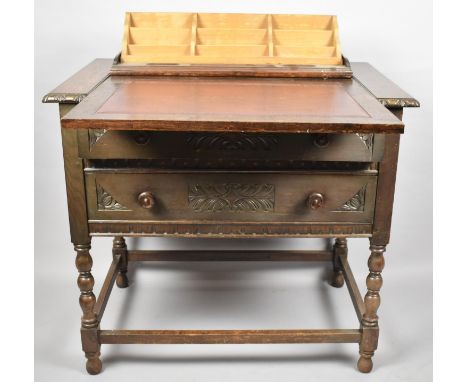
(315, 200)
(146, 200)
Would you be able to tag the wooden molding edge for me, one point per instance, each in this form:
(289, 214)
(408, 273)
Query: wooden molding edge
(63, 98)
(399, 102)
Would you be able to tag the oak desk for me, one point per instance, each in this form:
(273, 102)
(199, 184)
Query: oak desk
(229, 158)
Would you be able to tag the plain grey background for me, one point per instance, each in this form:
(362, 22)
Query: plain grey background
(395, 37)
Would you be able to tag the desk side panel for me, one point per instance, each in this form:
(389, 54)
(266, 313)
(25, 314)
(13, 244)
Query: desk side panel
(76, 193)
(78, 86)
(386, 91)
(386, 187)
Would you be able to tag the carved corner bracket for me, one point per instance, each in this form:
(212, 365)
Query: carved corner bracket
(356, 203)
(94, 136)
(106, 202)
(367, 139)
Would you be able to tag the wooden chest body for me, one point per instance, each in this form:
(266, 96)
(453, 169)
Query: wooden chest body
(229, 157)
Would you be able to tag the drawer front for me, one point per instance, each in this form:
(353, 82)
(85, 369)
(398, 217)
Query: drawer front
(230, 197)
(122, 144)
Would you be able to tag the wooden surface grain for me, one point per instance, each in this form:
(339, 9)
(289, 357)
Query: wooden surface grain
(272, 105)
(278, 105)
(386, 91)
(229, 336)
(79, 85)
(256, 99)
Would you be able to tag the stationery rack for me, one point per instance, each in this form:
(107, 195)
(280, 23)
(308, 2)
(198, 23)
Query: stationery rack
(202, 43)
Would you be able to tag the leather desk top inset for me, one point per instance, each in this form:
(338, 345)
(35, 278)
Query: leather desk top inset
(221, 104)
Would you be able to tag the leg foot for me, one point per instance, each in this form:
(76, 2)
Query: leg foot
(365, 364)
(120, 248)
(121, 280)
(340, 248)
(93, 364)
(337, 280)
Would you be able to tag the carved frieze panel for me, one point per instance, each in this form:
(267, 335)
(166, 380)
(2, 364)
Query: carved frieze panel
(232, 142)
(231, 197)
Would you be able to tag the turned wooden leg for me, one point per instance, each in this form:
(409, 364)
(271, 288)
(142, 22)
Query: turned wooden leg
(370, 320)
(340, 248)
(89, 321)
(120, 248)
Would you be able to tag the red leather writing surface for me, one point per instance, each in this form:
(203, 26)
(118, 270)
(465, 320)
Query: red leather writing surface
(260, 99)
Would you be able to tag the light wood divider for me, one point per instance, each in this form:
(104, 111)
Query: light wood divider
(221, 38)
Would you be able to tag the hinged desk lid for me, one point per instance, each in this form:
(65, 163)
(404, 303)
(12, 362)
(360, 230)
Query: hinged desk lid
(275, 105)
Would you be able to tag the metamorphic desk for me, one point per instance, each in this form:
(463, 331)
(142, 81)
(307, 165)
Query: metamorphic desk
(230, 126)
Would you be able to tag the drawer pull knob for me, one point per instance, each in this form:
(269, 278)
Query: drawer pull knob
(315, 200)
(142, 137)
(321, 140)
(146, 200)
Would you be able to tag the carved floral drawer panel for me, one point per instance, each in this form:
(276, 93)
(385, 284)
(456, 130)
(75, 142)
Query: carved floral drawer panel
(102, 144)
(201, 196)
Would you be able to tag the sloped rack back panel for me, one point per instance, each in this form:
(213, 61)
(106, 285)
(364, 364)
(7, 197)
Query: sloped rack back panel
(231, 39)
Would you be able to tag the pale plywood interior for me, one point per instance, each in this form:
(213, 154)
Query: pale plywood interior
(221, 38)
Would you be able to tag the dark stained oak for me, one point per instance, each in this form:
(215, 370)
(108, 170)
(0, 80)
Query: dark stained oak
(387, 92)
(353, 289)
(340, 249)
(227, 230)
(89, 319)
(106, 289)
(119, 248)
(229, 71)
(276, 148)
(229, 255)
(250, 197)
(229, 157)
(233, 105)
(78, 86)
(370, 320)
(229, 336)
